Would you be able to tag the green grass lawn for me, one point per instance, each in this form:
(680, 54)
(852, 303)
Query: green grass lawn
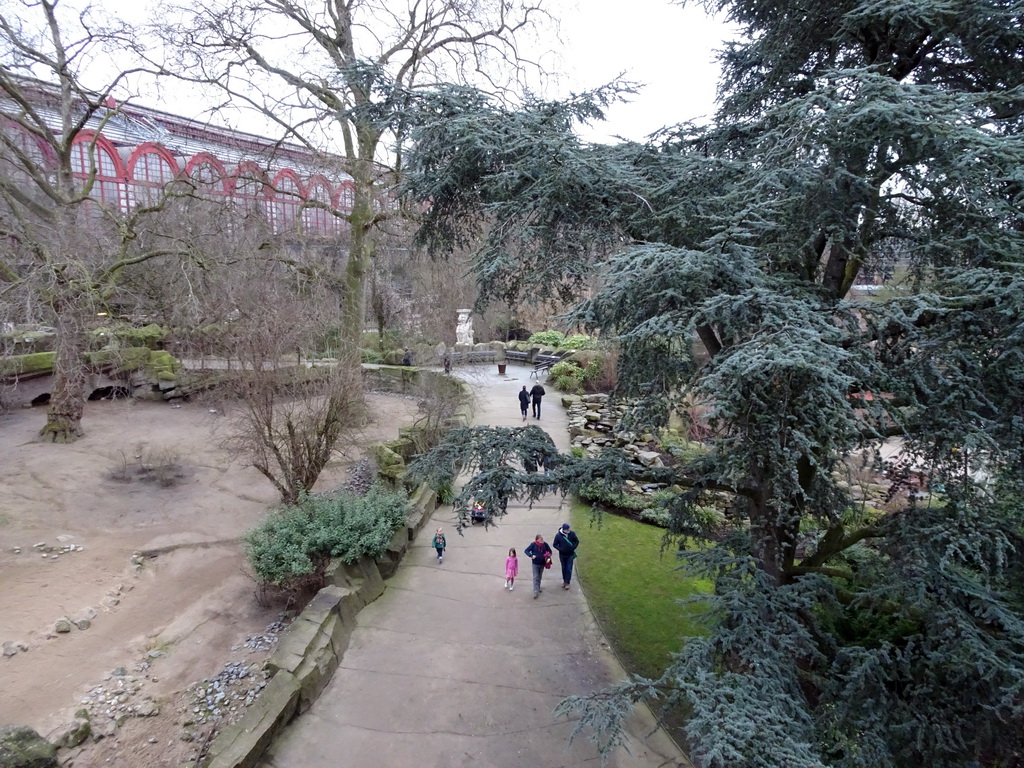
(634, 589)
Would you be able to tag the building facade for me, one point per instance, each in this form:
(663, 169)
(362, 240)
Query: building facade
(137, 152)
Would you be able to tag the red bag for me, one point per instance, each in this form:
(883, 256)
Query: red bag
(547, 561)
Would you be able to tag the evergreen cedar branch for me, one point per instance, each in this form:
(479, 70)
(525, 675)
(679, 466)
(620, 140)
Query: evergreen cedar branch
(853, 137)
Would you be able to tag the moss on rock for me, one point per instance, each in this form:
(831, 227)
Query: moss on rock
(21, 747)
(34, 363)
(162, 365)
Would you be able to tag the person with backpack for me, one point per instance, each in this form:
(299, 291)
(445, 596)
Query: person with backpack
(439, 544)
(539, 552)
(536, 394)
(566, 542)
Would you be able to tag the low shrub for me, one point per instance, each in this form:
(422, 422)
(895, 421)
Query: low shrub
(627, 502)
(587, 373)
(546, 338)
(291, 549)
(577, 341)
(567, 377)
(372, 356)
(163, 467)
(686, 450)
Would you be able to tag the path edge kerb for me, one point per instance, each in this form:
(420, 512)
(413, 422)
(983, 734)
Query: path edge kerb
(313, 645)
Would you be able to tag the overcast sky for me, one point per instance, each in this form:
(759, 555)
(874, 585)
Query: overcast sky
(657, 42)
(668, 48)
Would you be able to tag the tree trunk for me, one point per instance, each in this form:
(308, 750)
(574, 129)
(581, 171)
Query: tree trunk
(67, 396)
(354, 280)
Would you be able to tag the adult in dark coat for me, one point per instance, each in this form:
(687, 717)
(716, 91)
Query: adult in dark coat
(539, 552)
(524, 401)
(566, 541)
(536, 394)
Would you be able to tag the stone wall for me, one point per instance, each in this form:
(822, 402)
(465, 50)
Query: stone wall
(594, 424)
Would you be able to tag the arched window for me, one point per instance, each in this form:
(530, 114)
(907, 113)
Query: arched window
(208, 174)
(287, 200)
(91, 153)
(151, 168)
(347, 197)
(22, 152)
(250, 189)
(316, 219)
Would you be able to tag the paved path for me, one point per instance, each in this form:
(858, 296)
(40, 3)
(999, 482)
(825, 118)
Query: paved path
(448, 668)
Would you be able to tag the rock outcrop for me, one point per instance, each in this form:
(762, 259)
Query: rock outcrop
(21, 747)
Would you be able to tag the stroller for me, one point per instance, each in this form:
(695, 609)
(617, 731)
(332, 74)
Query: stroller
(478, 514)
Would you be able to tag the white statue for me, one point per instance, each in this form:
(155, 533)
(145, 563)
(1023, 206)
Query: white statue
(464, 329)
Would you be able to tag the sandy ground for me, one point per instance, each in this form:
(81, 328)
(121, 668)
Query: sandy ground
(168, 618)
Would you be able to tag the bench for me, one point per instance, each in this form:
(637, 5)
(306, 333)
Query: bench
(544, 363)
(517, 356)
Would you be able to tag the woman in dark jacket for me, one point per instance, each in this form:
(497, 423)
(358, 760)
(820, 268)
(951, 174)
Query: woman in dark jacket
(566, 542)
(540, 553)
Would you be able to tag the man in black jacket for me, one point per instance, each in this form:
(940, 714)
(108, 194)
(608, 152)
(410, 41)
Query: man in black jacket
(536, 394)
(566, 541)
(524, 401)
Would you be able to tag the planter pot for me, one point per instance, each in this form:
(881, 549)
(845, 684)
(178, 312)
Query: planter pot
(501, 369)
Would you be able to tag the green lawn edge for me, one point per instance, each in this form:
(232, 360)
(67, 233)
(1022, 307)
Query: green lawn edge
(635, 589)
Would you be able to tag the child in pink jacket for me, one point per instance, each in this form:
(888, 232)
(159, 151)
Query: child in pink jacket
(511, 569)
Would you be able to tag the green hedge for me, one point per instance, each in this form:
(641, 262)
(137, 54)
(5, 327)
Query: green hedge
(293, 546)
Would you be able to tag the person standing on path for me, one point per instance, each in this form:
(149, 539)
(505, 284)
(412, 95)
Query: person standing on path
(524, 401)
(539, 551)
(536, 394)
(566, 542)
(511, 569)
(439, 544)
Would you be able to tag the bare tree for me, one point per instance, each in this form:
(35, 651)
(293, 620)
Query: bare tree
(339, 75)
(65, 238)
(286, 417)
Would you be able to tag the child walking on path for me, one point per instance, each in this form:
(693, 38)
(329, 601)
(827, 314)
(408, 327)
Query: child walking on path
(439, 544)
(511, 569)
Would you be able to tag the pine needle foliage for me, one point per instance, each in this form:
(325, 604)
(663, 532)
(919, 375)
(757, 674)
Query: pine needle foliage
(292, 548)
(856, 141)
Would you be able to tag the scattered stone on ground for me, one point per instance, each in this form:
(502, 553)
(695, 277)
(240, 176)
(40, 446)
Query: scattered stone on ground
(360, 477)
(233, 689)
(222, 699)
(265, 640)
(12, 647)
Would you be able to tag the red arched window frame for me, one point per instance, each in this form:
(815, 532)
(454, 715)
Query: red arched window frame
(151, 168)
(251, 190)
(209, 174)
(316, 219)
(110, 185)
(288, 199)
(27, 152)
(346, 197)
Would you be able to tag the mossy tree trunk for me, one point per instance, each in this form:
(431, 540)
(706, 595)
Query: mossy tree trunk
(67, 398)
